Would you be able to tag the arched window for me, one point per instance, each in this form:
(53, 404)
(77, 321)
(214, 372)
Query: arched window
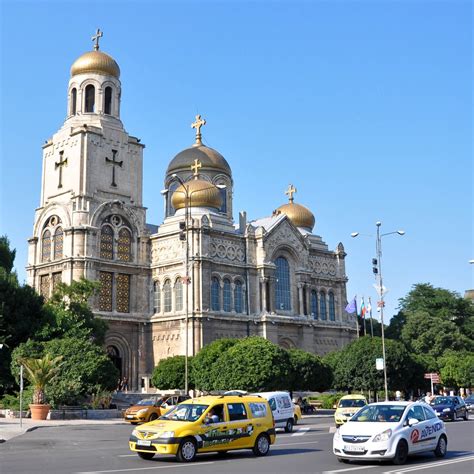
(282, 286)
(223, 193)
(108, 101)
(322, 305)
(90, 98)
(156, 297)
(215, 287)
(58, 243)
(170, 210)
(314, 305)
(227, 296)
(178, 295)
(238, 297)
(167, 296)
(73, 101)
(46, 246)
(124, 249)
(332, 309)
(107, 242)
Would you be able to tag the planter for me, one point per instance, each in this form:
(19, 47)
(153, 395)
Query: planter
(39, 412)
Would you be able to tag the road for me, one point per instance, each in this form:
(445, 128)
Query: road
(94, 449)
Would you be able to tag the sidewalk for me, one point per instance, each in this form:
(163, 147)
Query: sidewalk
(10, 427)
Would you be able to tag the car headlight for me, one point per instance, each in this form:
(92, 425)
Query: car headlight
(384, 436)
(142, 411)
(447, 409)
(167, 434)
(135, 433)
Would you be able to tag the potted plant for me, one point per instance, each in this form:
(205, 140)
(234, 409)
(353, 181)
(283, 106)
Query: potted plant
(40, 372)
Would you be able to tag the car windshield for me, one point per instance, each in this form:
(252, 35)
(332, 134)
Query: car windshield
(148, 402)
(442, 401)
(347, 403)
(380, 413)
(185, 412)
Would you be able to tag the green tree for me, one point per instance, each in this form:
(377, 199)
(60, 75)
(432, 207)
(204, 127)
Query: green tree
(7, 256)
(457, 369)
(308, 372)
(203, 363)
(394, 329)
(169, 373)
(253, 364)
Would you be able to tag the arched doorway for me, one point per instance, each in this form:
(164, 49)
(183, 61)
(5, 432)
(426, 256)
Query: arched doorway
(114, 355)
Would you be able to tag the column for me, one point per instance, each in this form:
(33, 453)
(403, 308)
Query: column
(300, 299)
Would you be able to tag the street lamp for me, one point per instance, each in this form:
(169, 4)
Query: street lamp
(381, 291)
(187, 218)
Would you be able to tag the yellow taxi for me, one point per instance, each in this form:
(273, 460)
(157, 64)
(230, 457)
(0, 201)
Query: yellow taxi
(151, 408)
(298, 414)
(208, 424)
(347, 406)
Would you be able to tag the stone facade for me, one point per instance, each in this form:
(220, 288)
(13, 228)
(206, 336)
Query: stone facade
(163, 286)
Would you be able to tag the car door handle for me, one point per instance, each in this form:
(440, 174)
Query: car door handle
(224, 427)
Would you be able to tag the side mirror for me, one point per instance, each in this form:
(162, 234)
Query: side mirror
(412, 421)
(334, 406)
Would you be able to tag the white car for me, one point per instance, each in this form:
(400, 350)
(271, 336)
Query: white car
(390, 431)
(282, 408)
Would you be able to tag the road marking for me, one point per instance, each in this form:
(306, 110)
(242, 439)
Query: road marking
(295, 444)
(349, 469)
(168, 466)
(300, 432)
(126, 455)
(430, 465)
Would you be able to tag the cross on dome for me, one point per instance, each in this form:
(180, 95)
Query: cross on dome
(290, 191)
(195, 167)
(197, 125)
(98, 34)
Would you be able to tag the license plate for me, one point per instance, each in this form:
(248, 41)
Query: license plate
(129, 416)
(355, 449)
(143, 442)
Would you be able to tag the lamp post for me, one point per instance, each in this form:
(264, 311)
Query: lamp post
(381, 291)
(187, 218)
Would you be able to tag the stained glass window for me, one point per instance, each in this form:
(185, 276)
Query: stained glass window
(156, 297)
(107, 242)
(105, 295)
(215, 287)
(167, 296)
(332, 309)
(58, 243)
(314, 305)
(123, 293)
(46, 246)
(227, 296)
(44, 286)
(238, 297)
(322, 305)
(178, 294)
(57, 278)
(124, 250)
(282, 286)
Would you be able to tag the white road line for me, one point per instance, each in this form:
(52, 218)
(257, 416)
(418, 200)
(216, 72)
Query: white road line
(350, 469)
(430, 465)
(127, 455)
(300, 432)
(295, 444)
(168, 466)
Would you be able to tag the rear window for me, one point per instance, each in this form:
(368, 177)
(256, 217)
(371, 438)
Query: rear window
(259, 410)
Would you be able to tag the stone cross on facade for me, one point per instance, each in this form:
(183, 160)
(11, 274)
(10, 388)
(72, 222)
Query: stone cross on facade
(114, 163)
(197, 125)
(195, 167)
(95, 38)
(290, 191)
(59, 164)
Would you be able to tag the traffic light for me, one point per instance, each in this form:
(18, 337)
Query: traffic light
(182, 233)
(375, 268)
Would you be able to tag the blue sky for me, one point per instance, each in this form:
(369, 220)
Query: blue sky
(365, 106)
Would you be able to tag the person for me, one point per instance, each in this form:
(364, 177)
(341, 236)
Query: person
(212, 417)
(381, 417)
(125, 384)
(119, 385)
(428, 397)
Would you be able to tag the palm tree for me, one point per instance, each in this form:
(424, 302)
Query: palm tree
(40, 372)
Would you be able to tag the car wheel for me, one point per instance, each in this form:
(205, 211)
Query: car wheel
(262, 445)
(289, 425)
(146, 455)
(466, 416)
(153, 417)
(401, 453)
(187, 450)
(441, 447)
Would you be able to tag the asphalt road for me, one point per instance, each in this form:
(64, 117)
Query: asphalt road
(93, 449)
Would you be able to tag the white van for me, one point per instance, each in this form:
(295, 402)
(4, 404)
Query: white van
(282, 408)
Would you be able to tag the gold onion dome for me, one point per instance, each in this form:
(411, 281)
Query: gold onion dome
(208, 157)
(201, 194)
(95, 62)
(298, 214)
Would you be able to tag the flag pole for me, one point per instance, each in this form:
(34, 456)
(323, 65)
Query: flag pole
(357, 317)
(363, 317)
(371, 325)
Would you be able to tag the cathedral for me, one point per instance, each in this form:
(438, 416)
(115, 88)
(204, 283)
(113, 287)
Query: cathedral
(172, 288)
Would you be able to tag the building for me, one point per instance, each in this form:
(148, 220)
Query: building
(171, 289)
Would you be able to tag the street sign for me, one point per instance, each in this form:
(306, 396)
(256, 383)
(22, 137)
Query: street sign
(379, 363)
(433, 376)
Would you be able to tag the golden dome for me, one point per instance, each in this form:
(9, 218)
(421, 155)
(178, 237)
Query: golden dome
(95, 62)
(299, 215)
(201, 194)
(209, 158)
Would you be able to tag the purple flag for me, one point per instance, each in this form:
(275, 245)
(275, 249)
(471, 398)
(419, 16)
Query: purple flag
(352, 306)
